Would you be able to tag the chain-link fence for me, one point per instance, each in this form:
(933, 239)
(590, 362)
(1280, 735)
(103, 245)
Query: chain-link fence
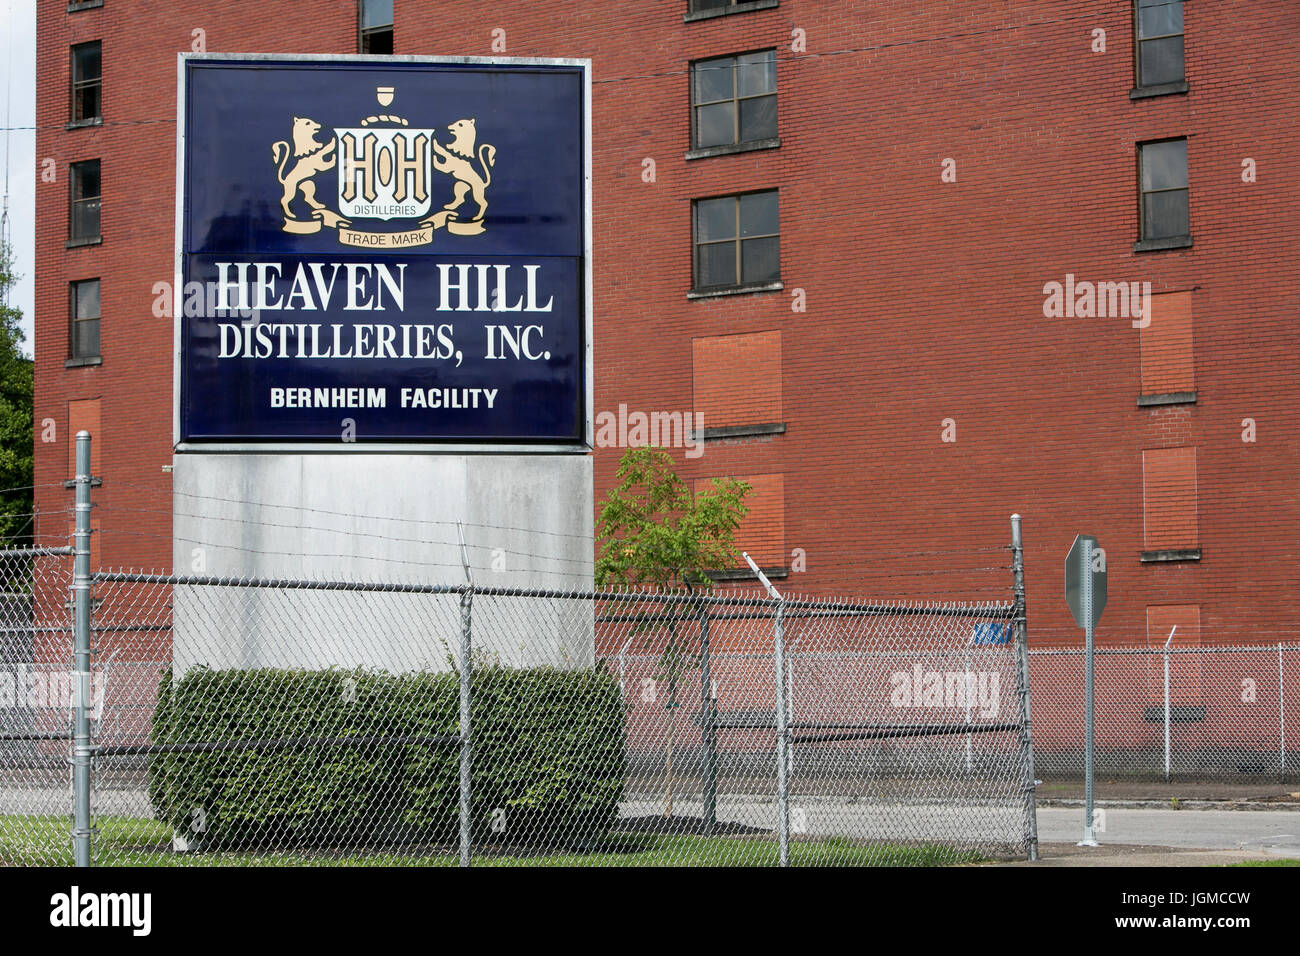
(36, 696)
(1208, 712)
(260, 721)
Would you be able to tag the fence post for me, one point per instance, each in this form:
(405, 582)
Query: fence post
(782, 739)
(782, 730)
(1167, 742)
(81, 746)
(1021, 637)
(466, 726)
(1281, 712)
(706, 723)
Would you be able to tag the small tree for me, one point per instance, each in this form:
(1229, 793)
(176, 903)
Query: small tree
(15, 417)
(656, 532)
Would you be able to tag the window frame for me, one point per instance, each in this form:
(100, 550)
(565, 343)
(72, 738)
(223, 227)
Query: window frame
(1147, 243)
(76, 86)
(74, 201)
(737, 145)
(697, 290)
(732, 8)
(364, 34)
(73, 358)
(1143, 91)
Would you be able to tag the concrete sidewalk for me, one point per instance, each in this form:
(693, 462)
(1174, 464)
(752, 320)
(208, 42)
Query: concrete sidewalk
(1164, 837)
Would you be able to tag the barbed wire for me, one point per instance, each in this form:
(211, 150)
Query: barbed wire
(351, 515)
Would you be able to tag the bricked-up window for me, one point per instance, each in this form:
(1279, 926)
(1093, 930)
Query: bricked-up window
(83, 214)
(1165, 195)
(1159, 42)
(761, 531)
(1167, 358)
(737, 240)
(737, 379)
(376, 35)
(83, 327)
(1169, 499)
(86, 82)
(734, 99)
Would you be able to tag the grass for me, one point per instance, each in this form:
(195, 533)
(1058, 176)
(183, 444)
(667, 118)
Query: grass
(135, 841)
(1267, 863)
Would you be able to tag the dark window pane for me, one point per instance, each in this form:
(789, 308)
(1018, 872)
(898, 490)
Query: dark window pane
(758, 214)
(85, 339)
(1162, 61)
(714, 80)
(756, 73)
(716, 264)
(1160, 18)
(86, 299)
(715, 125)
(85, 103)
(85, 219)
(1165, 215)
(757, 118)
(698, 5)
(85, 180)
(85, 62)
(761, 259)
(377, 41)
(1164, 165)
(715, 219)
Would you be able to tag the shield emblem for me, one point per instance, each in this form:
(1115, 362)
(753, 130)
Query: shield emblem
(384, 173)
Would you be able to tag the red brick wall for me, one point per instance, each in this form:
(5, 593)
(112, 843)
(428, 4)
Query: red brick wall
(924, 299)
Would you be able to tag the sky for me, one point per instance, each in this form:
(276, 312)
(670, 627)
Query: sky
(18, 140)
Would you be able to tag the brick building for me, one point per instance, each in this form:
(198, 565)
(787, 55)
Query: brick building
(885, 249)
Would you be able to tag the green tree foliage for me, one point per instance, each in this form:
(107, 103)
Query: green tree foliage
(656, 532)
(15, 419)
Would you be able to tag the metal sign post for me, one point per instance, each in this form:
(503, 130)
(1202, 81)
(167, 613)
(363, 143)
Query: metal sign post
(1085, 593)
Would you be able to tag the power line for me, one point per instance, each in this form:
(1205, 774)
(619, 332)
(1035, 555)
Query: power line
(684, 71)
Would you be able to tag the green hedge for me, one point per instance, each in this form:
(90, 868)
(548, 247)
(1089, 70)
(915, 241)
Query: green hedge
(548, 757)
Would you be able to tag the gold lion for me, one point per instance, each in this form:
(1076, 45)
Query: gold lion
(312, 158)
(457, 159)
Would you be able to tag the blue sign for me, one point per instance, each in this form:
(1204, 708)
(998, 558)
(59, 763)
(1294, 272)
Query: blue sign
(991, 632)
(376, 250)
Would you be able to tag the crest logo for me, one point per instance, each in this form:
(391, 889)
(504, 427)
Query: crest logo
(385, 172)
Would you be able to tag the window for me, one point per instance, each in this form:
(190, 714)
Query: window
(83, 216)
(376, 26)
(1159, 29)
(83, 328)
(1164, 212)
(761, 532)
(734, 99)
(86, 83)
(736, 384)
(699, 9)
(737, 240)
(1169, 505)
(1166, 344)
